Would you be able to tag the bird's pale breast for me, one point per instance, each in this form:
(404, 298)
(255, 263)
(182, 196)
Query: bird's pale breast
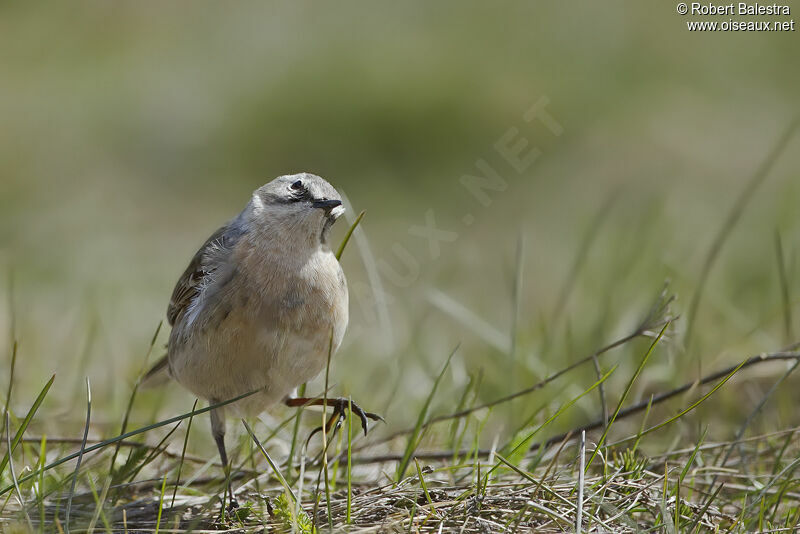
(270, 326)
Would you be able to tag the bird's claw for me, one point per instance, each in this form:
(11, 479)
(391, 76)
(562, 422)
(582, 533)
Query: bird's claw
(340, 407)
(232, 505)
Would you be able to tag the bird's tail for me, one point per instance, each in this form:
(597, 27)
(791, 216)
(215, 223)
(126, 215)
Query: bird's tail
(157, 375)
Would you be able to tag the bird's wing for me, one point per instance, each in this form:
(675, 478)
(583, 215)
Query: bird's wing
(157, 375)
(205, 263)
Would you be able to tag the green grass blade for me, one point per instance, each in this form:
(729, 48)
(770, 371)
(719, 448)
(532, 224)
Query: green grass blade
(183, 455)
(112, 479)
(644, 422)
(690, 461)
(624, 396)
(154, 453)
(98, 500)
(413, 439)
(161, 503)
(786, 299)
(14, 475)
(42, 461)
(266, 455)
(745, 196)
(695, 404)
(458, 427)
(516, 306)
(301, 392)
(80, 453)
(517, 435)
(111, 441)
(423, 484)
(349, 459)
(25, 423)
(526, 441)
(323, 470)
(349, 234)
(698, 517)
(14, 348)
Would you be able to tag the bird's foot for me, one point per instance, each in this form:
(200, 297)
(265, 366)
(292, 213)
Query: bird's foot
(233, 504)
(340, 407)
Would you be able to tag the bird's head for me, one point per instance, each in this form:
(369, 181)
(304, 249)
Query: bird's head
(300, 208)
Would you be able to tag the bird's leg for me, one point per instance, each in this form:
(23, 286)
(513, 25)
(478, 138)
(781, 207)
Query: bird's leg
(218, 431)
(339, 405)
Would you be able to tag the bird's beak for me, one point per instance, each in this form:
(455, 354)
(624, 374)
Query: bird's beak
(327, 205)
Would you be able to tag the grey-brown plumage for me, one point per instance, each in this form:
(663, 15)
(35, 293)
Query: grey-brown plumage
(262, 301)
(205, 260)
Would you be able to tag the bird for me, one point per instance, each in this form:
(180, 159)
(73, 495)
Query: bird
(261, 307)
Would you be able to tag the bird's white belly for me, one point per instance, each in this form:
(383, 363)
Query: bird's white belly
(273, 362)
(241, 344)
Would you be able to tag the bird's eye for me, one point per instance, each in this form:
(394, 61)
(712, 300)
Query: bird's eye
(297, 186)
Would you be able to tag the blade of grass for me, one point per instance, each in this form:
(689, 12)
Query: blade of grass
(787, 471)
(155, 452)
(641, 427)
(553, 463)
(557, 496)
(183, 455)
(300, 481)
(581, 477)
(686, 410)
(653, 319)
(98, 506)
(301, 392)
(753, 414)
(129, 408)
(601, 392)
(349, 233)
(12, 335)
(349, 459)
(778, 499)
(516, 436)
(625, 393)
(728, 225)
(423, 484)
(161, 503)
(80, 453)
(127, 435)
(273, 432)
(379, 295)
(113, 477)
(42, 461)
(777, 461)
(272, 465)
(515, 310)
(666, 518)
(476, 448)
(659, 398)
(26, 422)
(699, 517)
(562, 409)
(580, 259)
(456, 436)
(682, 476)
(785, 291)
(14, 475)
(325, 433)
(14, 348)
(412, 514)
(413, 439)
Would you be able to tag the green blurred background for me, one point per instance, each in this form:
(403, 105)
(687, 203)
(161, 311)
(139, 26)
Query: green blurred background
(130, 131)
